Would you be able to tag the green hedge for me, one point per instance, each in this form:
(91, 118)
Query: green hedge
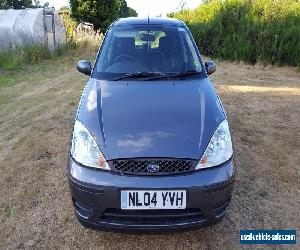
(266, 31)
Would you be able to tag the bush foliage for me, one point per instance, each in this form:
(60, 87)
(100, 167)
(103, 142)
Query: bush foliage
(100, 13)
(266, 31)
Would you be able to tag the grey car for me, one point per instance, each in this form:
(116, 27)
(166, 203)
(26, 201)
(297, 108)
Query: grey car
(151, 148)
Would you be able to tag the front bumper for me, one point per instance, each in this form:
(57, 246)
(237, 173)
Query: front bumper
(96, 198)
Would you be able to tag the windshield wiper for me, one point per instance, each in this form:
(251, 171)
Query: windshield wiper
(186, 73)
(140, 75)
(175, 76)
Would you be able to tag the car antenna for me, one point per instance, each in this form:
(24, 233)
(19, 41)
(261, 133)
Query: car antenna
(148, 33)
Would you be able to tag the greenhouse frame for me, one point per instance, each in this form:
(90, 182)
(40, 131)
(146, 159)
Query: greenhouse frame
(26, 27)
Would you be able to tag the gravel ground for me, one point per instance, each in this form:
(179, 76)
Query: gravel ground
(36, 115)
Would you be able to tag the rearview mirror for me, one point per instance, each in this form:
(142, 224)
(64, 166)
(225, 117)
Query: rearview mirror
(85, 67)
(210, 67)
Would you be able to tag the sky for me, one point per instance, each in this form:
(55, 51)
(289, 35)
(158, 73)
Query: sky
(143, 7)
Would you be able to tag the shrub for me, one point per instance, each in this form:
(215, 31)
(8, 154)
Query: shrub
(17, 57)
(70, 23)
(87, 40)
(266, 31)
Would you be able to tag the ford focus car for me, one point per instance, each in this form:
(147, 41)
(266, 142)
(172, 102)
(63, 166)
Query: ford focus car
(151, 148)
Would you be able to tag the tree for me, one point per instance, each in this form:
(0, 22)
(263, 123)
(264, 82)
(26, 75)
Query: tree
(64, 8)
(132, 12)
(100, 13)
(126, 11)
(182, 5)
(15, 4)
(123, 9)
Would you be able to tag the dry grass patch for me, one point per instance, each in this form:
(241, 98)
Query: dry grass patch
(36, 116)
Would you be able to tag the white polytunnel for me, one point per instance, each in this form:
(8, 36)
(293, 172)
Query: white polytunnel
(31, 26)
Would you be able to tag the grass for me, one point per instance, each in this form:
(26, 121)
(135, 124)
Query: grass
(37, 109)
(16, 57)
(38, 101)
(10, 76)
(19, 61)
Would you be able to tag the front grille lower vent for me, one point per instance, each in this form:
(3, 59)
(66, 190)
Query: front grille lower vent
(154, 167)
(163, 217)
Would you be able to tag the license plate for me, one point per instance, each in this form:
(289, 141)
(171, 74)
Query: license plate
(153, 199)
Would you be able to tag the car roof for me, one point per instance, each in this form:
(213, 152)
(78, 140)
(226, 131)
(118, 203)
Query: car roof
(151, 20)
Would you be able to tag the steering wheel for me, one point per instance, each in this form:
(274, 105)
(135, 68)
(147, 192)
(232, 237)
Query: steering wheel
(128, 57)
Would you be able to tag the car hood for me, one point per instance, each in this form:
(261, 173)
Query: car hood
(140, 119)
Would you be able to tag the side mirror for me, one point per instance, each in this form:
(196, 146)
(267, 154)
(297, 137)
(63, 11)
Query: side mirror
(85, 67)
(210, 67)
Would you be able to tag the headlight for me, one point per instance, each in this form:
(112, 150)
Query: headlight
(219, 148)
(84, 148)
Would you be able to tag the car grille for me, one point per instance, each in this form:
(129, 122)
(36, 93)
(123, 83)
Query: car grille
(145, 166)
(152, 217)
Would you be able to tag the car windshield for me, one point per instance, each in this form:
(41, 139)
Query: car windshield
(142, 51)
